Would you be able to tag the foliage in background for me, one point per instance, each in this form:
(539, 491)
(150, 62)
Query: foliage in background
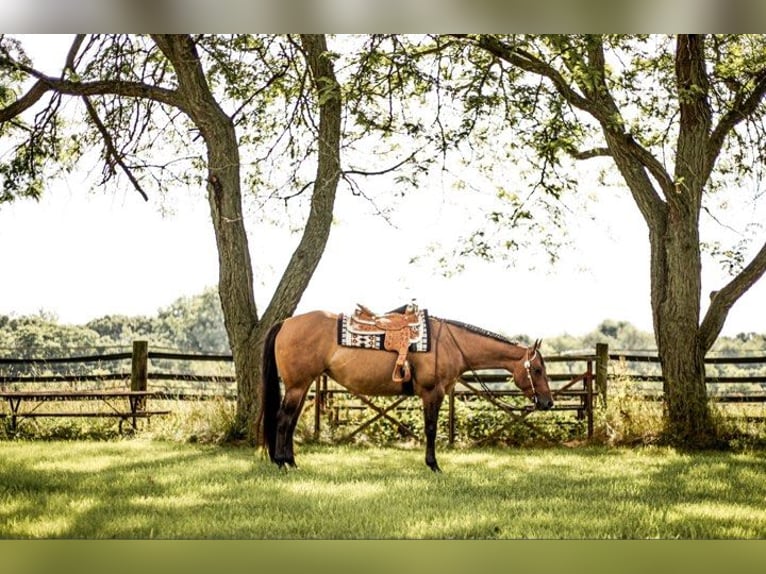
(190, 324)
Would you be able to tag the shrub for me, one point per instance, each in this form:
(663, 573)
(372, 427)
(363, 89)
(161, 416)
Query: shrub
(629, 417)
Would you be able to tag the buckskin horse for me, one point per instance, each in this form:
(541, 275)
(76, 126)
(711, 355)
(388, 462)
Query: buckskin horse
(303, 347)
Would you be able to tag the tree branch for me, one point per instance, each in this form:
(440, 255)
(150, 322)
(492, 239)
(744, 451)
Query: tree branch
(355, 188)
(180, 49)
(12, 111)
(383, 171)
(72, 54)
(72, 88)
(529, 63)
(652, 164)
(722, 300)
(600, 93)
(743, 108)
(590, 153)
(111, 150)
(631, 158)
(84, 90)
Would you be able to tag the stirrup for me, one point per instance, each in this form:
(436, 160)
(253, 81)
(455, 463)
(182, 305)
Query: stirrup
(402, 373)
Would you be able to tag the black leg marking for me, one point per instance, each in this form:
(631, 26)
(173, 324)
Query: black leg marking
(431, 406)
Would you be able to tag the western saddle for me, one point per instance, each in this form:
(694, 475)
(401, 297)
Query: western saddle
(399, 326)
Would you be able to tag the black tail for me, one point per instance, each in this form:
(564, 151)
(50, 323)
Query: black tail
(271, 393)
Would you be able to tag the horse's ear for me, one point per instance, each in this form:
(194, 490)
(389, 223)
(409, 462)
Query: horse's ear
(537, 345)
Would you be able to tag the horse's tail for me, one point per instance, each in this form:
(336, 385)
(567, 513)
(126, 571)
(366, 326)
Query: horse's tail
(271, 394)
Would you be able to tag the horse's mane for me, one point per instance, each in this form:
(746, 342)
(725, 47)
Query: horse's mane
(479, 331)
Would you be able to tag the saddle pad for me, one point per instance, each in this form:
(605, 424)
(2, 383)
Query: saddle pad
(348, 337)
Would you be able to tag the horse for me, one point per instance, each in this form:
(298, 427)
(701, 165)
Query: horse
(303, 347)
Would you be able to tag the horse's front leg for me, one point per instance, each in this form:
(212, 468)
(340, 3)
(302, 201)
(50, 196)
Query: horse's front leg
(432, 402)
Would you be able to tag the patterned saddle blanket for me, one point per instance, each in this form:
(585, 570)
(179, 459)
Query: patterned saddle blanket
(354, 333)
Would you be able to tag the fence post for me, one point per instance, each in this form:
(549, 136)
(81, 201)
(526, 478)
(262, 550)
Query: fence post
(602, 370)
(140, 366)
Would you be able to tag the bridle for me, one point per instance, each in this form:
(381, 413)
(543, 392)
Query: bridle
(527, 367)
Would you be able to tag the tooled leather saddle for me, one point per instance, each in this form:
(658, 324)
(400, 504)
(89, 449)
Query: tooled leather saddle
(399, 328)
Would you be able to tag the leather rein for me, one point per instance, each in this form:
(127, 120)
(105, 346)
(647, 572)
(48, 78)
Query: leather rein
(527, 366)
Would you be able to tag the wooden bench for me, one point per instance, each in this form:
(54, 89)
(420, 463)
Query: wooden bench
(113, 399)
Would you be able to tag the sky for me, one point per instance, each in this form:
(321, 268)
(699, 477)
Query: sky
(82, 255)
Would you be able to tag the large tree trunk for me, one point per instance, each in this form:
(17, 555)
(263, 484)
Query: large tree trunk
(235, 281)
(675, 271)
(677, 316)
(235, 284)
(672, 217)
(235, 275)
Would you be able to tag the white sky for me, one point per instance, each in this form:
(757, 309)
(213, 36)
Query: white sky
(82, 255)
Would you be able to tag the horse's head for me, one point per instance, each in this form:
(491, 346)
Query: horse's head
(530, 376)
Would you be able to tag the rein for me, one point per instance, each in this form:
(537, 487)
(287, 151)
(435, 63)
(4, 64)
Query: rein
(527, 366)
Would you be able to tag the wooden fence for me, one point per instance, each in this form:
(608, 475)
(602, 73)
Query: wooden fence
(721, 388)
(573, 393)
(169, 384)
(579, 382)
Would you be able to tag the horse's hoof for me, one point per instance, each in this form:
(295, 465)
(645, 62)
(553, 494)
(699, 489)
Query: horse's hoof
(285, 464)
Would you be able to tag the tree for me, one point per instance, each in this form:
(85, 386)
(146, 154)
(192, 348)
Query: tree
(121, 330)
(681, 119)
(204, 97)
(195, 324)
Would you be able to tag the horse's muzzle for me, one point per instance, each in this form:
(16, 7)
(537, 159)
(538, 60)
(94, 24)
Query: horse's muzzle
(543, 403)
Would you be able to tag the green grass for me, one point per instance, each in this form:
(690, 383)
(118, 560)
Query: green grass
(150, 489)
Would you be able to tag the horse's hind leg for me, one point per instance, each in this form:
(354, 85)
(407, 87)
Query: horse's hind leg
(287, 419)
(432, 402)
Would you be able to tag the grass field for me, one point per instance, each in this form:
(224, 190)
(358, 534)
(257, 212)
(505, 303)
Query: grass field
(142, 489)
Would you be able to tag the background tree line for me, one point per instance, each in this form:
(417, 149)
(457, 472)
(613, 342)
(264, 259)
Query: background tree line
(194, 324)
(189, 324)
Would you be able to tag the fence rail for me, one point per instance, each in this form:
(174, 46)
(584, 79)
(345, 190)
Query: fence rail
(710, 379)
(138, 375)
(579, 379)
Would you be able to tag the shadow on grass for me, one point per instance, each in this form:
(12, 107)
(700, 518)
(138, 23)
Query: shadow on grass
(142, 489)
